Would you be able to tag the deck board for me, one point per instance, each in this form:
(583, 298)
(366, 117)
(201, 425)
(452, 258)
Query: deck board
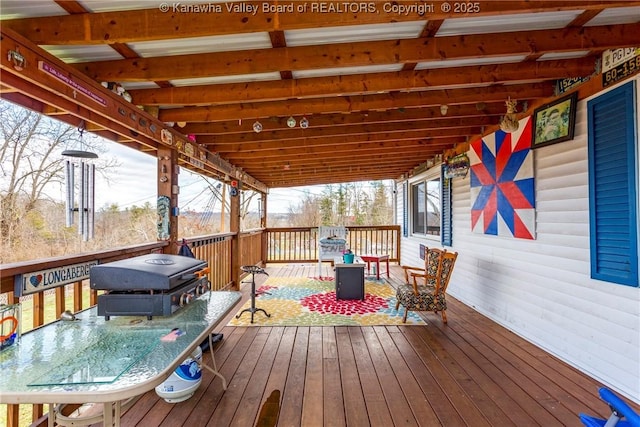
(469, 372)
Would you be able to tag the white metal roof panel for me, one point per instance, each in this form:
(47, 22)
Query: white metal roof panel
(564, 55)
(82, 53)
(343, 71)
(506, 23)
(139, 85)
(616, 15)
(194, 45)
(354, 33)
(14, 9)
(115, 5)
(448, 63)
(227, 79)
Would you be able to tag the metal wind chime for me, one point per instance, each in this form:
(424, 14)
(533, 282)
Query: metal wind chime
(86, 189)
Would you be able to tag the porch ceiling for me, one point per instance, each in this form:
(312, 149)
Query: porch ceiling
(370, 78)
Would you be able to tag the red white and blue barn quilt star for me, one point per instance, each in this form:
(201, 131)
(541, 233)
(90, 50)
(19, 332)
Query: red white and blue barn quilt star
(502, 185)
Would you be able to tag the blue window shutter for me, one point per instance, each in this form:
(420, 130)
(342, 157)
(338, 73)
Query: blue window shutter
(612, 186)
(446, 226)
(405, 209)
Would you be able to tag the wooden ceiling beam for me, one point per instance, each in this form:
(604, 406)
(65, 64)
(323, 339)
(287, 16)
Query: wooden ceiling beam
(191, 20)
(86, 99)
(334, 176)
(388, 139)
(317, 181)
(347, 104)
(415, 149)
(256, 61)
(42, 97)
(305, 162)
(350, 150)
(313, 131)
(432, 129)
(362, 84)
(338, 120)
(381, 170)
(353, 174)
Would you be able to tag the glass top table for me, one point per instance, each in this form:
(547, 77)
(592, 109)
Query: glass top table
(98, 361)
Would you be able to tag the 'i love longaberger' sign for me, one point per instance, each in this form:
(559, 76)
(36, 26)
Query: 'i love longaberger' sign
(51, 278)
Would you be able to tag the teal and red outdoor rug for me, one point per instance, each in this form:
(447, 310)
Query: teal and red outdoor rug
(300, 301)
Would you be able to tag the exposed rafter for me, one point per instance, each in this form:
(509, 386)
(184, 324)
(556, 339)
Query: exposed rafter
(384, 86)
(422, 49)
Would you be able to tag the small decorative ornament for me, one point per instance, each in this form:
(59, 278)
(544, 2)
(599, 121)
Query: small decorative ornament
(188, 149)
(457, 167)
(291, 122)
(166, 137)
(19, 61)
(257, 127)
(509, 122)
(304, 123)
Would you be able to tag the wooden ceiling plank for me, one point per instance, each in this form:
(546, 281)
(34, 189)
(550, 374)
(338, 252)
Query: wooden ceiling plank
(388, 139)
(42, 96)
(362, 84)
(83, 98)
(231, 18)
(269, 165)
(278, 164)
(347, 149)
(312, 132)
(252, 111)
(359, 118)
(337, 138)
(359, 54)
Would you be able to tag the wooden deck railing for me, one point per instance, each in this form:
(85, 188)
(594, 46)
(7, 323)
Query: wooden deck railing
(44, 307)
(272, 245)
(281, 245)
(300, 244)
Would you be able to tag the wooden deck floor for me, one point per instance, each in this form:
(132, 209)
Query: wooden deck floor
(470, 372)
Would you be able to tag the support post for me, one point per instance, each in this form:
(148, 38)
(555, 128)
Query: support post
(264, 242)
(234, 227)
(168, 188)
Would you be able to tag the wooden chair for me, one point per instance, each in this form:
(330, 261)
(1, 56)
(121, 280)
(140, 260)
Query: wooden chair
(425, 288)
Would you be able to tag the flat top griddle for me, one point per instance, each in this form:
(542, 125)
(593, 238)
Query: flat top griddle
(153, 271)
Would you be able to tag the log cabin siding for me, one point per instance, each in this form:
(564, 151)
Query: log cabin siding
(542, 289)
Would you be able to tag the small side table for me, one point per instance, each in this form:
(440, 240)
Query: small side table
(369, 258)
(349, 279)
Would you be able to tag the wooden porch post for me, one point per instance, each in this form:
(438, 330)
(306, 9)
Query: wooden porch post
(234, 227)
(168, 188)
(263, 224)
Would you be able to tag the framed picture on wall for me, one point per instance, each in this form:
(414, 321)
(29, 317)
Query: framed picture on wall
(554, 122)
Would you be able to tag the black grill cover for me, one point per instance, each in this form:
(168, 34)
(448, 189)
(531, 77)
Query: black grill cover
(153, 271)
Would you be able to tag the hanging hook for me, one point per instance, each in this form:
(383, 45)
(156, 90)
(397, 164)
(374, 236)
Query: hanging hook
(81, 128)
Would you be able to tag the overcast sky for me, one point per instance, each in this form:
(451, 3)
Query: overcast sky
(134, 183)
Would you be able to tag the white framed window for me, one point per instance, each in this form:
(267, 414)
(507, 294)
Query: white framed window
(426, 205)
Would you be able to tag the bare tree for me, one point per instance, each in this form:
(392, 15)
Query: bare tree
(31, 162)
(306, 213)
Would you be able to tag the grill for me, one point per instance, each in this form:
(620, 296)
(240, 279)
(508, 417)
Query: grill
(148, 285)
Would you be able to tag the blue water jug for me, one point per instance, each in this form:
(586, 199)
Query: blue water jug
(348, 258)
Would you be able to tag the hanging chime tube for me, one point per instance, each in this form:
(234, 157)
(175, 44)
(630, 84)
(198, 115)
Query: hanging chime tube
(91, 201)
(85, 203)
(68, 178)
(81, 200)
